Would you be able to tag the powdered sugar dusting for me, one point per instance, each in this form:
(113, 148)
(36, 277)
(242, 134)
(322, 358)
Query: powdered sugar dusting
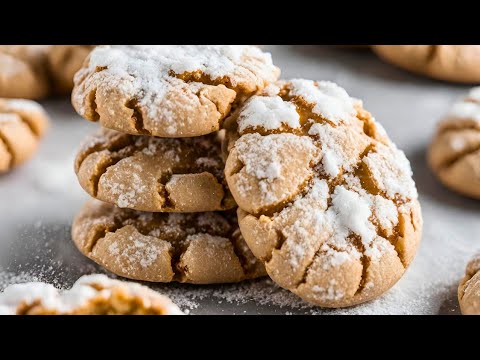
(465, 110)
(269, 113)
(24, 105)
(474, 93)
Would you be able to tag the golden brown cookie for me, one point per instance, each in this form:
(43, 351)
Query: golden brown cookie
(168, 90)
(155, 174)
(327, 201)
(22, 123)
(469, 289)
(90, 295)
(63, 62)
(198, 248)
(23, 71)
(454, 154)
(457, 63)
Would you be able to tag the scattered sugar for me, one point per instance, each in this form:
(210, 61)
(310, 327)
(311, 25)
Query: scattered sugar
(457, 143)
(331, 101)
(269, 113)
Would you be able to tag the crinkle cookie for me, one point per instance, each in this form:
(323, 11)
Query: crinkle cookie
(155, 174)
(23, 72)
(166, 90)
(63, 62)
(454, 154)
(90, 295)
(198, 248)
(327, 201)
(457, 63)
(469, 288)
(22, 123)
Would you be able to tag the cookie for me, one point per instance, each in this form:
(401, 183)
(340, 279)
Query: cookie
(198, 248)
(469, 289)
(63, 62)
(22, 124)
(166, 90)
(23, 72)
(454, 153)
(155, 174)
(90, 295)
(456, 63)
(327, 201)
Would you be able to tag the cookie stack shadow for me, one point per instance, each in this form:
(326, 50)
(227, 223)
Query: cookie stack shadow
(161, 209)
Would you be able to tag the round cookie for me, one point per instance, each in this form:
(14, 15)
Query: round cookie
(456, 63)
(90, 295)
(469, 289)
(197, 248)
(154, 174)
(22, 123)
(454, 154)
(327, 201)
(63, 62)
(23, 72)
(167, 90)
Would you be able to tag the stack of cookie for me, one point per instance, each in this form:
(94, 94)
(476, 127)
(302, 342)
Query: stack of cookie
(165, 212)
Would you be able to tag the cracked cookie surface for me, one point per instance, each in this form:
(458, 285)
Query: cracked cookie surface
(469, 288)
(23, 71)
(327, 201)
(197, 248)
(454, 153)
(155, 174)
(90, 295)
(457, 63)
(166, 90)
(22, 124)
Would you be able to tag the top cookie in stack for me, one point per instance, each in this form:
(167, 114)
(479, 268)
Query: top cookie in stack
(159, 154)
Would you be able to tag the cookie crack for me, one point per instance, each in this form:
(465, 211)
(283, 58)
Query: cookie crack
(458, 157)
(137, 116)
(9, 149)
(431, 53)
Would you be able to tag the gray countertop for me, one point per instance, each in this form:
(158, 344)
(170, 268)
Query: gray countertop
(39, 200)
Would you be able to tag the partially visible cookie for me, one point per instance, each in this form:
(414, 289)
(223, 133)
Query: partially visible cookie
(63, 62)
(327, 201)
(23, 71)
(90, 295)
(198, 248)
(454, 154)
(22, 123)
(167, 90)
(469, 288)
(457, 63)
(154, 174)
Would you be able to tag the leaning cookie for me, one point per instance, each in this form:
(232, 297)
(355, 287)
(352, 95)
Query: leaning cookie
(22, 124)
(90, 295)
(23, 72)
(154, 174)
(168, 91)
(469, 288)
(456, 63)
(198, 248)
(454, 154)
(327, 201)
(63, 62)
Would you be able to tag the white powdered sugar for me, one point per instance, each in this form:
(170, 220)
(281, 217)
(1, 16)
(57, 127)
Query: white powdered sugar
(145, 71)
(9, 118)
(465, 110)
(24, 105)
(269, 113)
(330, 100)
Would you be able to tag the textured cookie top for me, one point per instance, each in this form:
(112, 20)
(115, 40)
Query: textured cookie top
(201, 248)
(454, 154)
(90, 295)
(22, 123)
(154, 174)
(167, 90)
(23, 72)
(325, 188)
(469, 288)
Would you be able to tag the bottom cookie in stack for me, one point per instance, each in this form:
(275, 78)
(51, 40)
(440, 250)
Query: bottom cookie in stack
(197, 248)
